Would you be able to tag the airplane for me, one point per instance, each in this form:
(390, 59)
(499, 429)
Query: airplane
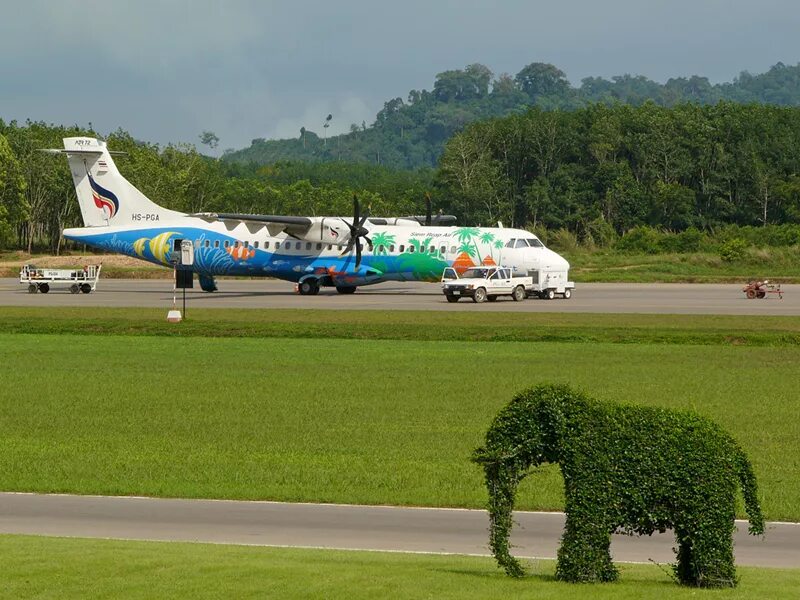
(312, 252)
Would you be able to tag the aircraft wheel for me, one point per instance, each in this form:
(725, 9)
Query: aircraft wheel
(308, 287)
(32, 289)
(452, 297)
(346, 289)
(86, 288)
(567, 294)
(74, 288)
(44, 288)
(519, 293)
(479, 295)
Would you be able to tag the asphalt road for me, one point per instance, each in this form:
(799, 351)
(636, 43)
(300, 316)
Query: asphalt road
(447, 531)
(588, 298)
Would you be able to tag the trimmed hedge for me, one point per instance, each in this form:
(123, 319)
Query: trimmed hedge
(627, 469)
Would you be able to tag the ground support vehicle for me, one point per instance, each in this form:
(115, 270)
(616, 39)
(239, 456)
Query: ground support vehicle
(549, 284)
(760, 289)
(484, 283)
(77, 280)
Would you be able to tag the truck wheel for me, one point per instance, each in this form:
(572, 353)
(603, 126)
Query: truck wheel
(86, 288)
(550, 294)
(452, 297)
(479, 296)
(44, 288)
(518, 293)
(32, 289)
(567, 294)
(74, 289)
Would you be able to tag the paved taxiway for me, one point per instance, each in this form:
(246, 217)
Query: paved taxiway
(451, 531)
(589, 298)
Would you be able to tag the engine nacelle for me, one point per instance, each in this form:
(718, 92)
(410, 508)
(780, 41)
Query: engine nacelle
(328, 230)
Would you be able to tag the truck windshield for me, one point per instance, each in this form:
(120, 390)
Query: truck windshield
(475, 273)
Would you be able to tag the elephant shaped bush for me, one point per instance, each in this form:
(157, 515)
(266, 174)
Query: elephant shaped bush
(628, 469)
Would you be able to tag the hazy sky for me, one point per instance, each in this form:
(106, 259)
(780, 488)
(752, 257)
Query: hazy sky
(166, 70)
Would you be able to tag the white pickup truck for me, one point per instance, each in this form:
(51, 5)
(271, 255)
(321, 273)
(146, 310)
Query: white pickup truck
(490, 282)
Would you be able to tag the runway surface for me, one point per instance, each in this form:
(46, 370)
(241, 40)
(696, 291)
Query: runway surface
(449, 531)
(722, 299)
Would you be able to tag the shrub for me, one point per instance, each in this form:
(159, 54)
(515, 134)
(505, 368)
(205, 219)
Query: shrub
(641, 239)
(733, 250)
(626, 468)
(563, 239)
(600, 233)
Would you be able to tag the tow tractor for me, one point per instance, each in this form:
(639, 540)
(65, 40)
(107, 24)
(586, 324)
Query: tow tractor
(78, 280)
(490, 282)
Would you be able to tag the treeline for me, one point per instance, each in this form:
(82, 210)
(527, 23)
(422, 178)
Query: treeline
(37, 196)
(603, 170)
(411, 132)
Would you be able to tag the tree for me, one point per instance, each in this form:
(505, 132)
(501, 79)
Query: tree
(542, 79)
(12, 193)
(208, 138)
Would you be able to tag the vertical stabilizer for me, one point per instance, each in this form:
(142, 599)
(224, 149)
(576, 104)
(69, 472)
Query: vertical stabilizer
(105, 196)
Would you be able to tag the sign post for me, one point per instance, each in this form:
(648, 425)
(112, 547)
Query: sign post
(182, 259)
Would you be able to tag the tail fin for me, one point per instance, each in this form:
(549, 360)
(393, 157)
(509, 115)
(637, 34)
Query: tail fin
(750, 493)
(104, 195)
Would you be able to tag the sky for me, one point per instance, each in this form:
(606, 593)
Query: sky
(167, 70)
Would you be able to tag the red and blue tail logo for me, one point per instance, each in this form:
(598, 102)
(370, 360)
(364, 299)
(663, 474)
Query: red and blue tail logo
(103, 198)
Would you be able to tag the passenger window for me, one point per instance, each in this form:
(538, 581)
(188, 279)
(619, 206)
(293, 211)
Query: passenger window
(266, 244)
(255, 244)
(411, 249)
(432, 250)
(495, 275)
(511, 243)
(391, 248)
(402, 248)
(380, 249)
(236, 244)
(308, 245)
(319, 246)
(277, 245)
(422, 249)
(330, 246)
(521, 244)
(216, 243)
(452, 249)
(297, 246)
(443, 249)
(227, 244)
(208, 243)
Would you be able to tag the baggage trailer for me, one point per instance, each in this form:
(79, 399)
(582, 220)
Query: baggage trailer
(78, 280)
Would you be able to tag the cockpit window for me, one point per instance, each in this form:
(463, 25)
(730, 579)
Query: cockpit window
(521, 244)
(534, 243)
(511, 243)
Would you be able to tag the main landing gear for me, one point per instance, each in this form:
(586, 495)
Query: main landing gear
(308, 287)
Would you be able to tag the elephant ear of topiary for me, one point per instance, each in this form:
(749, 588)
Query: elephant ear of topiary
(626, 468)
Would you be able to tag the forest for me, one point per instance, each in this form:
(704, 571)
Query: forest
(642, 176)
(411, 132)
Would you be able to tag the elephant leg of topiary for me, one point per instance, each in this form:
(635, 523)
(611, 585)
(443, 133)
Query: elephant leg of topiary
(705, 554)
(585, 552)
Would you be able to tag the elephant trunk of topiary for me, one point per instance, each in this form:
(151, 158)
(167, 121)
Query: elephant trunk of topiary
(502, 483)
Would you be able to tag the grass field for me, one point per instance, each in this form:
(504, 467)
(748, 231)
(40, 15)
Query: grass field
(411, 325)
(71, 568)
(350, 420)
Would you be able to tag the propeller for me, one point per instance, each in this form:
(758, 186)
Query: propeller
(357, 230)
(429, 220)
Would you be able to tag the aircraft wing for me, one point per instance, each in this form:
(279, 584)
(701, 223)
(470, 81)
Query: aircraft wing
(296, 226)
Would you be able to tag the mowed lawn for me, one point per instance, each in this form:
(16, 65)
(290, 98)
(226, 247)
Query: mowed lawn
(75, 568)
(354, 421)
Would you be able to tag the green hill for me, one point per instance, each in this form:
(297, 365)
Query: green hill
(411, 133)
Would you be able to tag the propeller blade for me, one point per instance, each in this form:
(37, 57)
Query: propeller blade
(356, 211)
(358, 254)
(427, 209)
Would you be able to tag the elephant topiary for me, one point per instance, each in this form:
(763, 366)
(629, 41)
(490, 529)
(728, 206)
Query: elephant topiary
(628, 469)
